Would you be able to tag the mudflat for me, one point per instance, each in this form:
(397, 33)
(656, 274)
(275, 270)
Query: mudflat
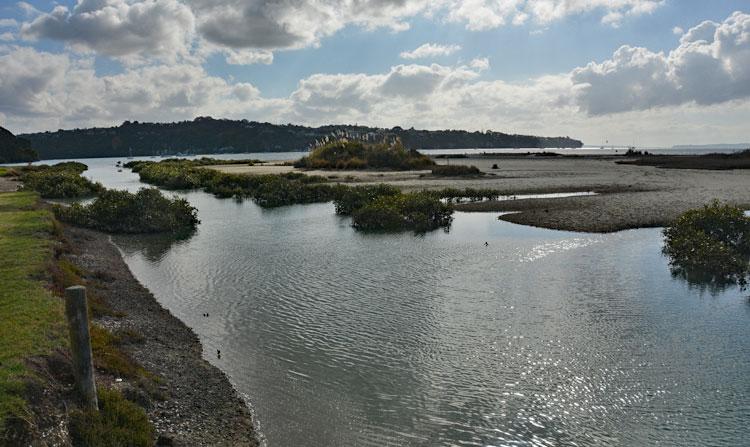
(630, 196)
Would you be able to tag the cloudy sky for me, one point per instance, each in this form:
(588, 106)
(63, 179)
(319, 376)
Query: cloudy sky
(649, 72)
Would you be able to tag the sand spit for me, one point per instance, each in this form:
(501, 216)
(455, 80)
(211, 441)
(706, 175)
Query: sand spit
(630, 196)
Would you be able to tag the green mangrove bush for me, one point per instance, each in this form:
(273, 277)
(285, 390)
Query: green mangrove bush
(266, 190)
(418, 211)
(455, 171)
(372, 207)
(147, 211)
(60, 181)
(350, 199)
(353, 155)
(710, 245)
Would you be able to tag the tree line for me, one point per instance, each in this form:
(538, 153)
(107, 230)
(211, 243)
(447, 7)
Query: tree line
(208, 135)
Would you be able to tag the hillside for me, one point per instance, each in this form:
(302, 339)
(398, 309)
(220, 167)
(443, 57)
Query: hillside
(14, 149)
(207, 135)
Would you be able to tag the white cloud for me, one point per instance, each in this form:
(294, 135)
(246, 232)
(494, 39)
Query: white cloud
(247, 57)
(428, 50)
(487, 14)
(697, 92)
(711, 65)
(119, 28)
(8, 23)
(62, 91)
(7, 37)
(678, 31)
(271, 25)
(246, 31)
(480, 64)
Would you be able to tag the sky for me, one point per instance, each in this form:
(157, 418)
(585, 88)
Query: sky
(644, 72)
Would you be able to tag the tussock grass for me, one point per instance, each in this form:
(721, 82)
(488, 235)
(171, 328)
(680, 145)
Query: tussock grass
(119, 423)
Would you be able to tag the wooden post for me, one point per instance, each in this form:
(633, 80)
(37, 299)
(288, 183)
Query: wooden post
(76, 311)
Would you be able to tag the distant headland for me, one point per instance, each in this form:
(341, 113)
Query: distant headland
(206, 135)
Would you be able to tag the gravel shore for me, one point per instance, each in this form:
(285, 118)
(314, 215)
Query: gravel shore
(8, 185)
(200, 407)
(629, 196)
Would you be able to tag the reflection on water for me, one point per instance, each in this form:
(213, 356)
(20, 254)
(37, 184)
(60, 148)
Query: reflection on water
(540, 338)
(153, 247)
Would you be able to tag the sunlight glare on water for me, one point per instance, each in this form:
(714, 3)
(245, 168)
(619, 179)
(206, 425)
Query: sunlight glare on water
(539, 338)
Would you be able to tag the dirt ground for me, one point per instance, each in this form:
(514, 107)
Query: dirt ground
(8, 185)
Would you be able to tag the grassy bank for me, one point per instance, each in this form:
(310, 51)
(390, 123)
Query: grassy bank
(33, 322)
(36, 390)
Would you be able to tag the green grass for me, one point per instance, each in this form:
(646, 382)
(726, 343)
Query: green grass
(32, 319)
(119, 423)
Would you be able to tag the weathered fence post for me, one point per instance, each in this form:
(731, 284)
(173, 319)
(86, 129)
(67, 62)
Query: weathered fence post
(80, 345)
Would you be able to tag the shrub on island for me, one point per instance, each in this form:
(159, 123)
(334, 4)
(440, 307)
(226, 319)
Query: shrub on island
(373, 207)
(350, 199)
(147, 211)
(60, 181)
(710, 245)
(455, 171)
(355, 155)
(419, 211)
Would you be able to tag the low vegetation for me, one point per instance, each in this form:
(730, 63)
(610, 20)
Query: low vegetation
(352, 155)
(32, 319)
(34, 274)
(118, 423)
(419, 211)
(710, 245)
(9, 172)
(382, 207)
(60, 181)
(349, 199)
(147, 211)
(455, 171)
(735, 160)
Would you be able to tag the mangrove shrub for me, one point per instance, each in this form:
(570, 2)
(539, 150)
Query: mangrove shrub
(147, 211)
(60, 181)
(350, 199)
(419, 211)
(372, 207)
(710, 245)
(455, 171)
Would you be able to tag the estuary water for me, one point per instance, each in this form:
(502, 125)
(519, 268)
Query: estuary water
(539, 338)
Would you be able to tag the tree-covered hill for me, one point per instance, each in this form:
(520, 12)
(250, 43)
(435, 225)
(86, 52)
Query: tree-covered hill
(14, 149)
(207, 135)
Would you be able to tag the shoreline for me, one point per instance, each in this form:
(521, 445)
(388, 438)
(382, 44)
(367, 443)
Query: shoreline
(201, 407)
